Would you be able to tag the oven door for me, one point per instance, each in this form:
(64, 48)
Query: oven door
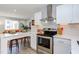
(45, 44)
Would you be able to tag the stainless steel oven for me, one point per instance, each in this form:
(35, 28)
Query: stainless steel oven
(45, 41)
(44, 44)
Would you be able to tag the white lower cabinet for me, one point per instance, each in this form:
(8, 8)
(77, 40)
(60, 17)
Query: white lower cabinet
(62, 46)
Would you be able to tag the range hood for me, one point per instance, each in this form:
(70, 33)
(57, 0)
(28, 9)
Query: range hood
(49, 21)
(49, 13)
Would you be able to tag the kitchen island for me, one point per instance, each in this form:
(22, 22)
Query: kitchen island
(4, 38)
(73, 38)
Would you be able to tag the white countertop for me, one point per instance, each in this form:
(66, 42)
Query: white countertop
(9, 35)
(67, 36)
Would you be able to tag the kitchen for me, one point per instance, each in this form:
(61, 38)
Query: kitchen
(47, 29)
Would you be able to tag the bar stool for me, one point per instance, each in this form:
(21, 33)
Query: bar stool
(11, 43)
(26, 41)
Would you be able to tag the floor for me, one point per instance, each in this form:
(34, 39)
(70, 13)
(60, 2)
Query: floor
(22, 49)
(27, 51)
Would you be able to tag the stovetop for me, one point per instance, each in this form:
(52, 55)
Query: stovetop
(47, 34)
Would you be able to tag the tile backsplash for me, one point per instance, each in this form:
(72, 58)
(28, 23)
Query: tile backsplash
(71, 29)
(49, 24)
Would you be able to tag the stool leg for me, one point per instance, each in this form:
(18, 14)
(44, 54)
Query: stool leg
(10, 47)
(24, 41)
(28, 39)
(17, 44)
(21, 41)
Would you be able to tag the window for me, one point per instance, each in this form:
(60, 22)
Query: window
(10, 24)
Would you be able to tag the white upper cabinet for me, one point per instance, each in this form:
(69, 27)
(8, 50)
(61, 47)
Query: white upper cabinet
(59, 14)
(75, 13)
(64, 14)
(67, 13)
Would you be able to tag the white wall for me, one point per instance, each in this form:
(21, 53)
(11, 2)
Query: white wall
(44, 12)
(2, 24)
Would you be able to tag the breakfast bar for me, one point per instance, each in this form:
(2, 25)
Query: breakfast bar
(4, 38)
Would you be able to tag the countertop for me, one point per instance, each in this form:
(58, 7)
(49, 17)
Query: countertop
(68, 36)
(19, 33)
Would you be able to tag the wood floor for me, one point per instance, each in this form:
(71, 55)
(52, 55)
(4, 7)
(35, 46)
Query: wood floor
(22, 50)
(27, 51)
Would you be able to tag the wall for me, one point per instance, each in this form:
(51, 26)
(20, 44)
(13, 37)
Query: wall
(44, 12)
(8, 14)
(1, 25)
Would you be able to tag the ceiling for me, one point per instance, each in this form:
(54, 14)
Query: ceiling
(20, 10)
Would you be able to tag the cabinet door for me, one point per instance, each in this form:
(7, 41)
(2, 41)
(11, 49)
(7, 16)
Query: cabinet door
(62, 46)
(67, 13)
(75, 13)
(59, 14)
(64, 14)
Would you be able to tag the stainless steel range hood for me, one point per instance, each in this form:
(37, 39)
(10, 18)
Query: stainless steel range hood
(49, 21)
(49, 14)
(49, 10)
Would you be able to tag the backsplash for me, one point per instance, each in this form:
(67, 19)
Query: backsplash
(49, 24)
(71, 29)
